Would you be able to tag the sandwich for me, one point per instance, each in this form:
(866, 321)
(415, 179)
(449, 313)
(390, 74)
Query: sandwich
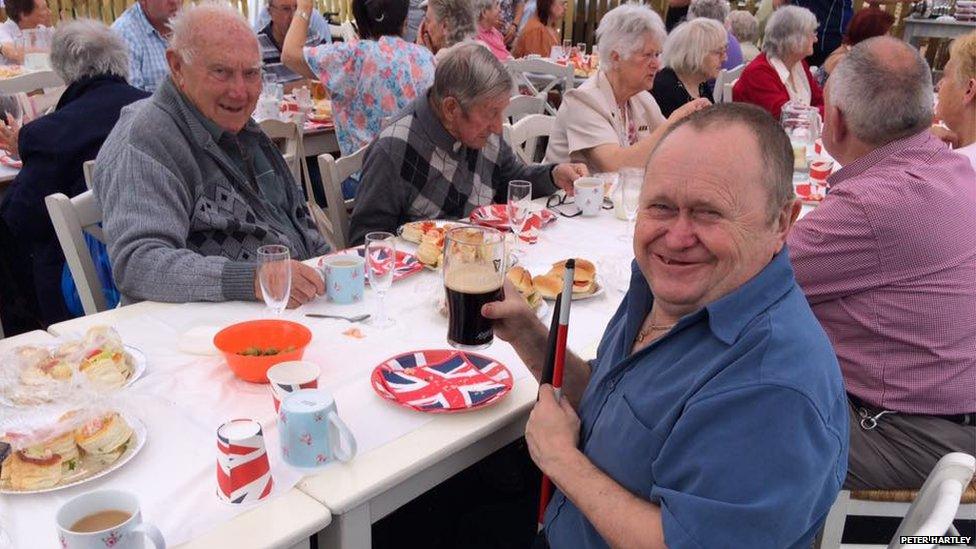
(104, 438)
(522, 281)
(106, 362)
(22, 471)
(584, 276)
(44, 367)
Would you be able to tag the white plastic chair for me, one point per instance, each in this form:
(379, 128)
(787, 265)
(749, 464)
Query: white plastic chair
(523, 105)
(288, 137)
(346, 31)
(726, 78)
(71, 217)
(541, 76)
(88, 168)
(524, 135)
(334, 172)
(931, 512)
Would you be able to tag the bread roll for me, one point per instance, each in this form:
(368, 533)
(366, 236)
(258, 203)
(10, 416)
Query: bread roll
(548, 285)
(584, 275)
(105, 435)
(22, 472)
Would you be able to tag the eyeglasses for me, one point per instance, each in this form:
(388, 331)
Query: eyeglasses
(284, 9)
(560, 199)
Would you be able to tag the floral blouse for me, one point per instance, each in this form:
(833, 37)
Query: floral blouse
(368, 81)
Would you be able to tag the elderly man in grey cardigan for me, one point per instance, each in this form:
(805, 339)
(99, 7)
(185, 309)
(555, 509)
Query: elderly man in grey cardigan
(190, 187)
(444, 156)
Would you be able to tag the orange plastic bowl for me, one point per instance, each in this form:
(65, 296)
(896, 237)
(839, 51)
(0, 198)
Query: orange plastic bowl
(263, 334)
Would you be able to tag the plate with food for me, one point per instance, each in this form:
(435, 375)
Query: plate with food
(586, 284)
(406, 263)
(88, 451)
(496, 216)
(10, 71)
(429, 236)
(442, 381)
(803, 193)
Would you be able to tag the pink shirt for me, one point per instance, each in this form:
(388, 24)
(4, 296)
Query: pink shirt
(888, 264)
(495, 40)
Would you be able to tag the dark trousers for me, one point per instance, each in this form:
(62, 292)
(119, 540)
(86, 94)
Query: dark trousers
(901, 450)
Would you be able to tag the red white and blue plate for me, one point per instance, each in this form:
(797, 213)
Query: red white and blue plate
(406, 263)
(496, 216)
(442, 381)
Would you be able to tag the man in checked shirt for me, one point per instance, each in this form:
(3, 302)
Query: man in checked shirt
(888, 264)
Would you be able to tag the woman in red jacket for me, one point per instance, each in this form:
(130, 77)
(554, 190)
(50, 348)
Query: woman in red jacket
(780, 74)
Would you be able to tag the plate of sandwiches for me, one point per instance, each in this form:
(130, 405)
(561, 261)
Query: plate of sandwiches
(82, 453)
(522, 280)
(100, 356)
(585, 282)
(429, 236)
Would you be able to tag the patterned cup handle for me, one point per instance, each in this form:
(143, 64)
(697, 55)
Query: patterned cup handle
(339, 433)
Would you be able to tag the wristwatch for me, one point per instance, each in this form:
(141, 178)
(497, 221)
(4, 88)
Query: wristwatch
(303, 14)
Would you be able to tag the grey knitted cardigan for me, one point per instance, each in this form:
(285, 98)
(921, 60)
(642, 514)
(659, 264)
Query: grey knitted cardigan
(182, 222)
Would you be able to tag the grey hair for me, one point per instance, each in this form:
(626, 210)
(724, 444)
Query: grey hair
(85, 47)
(458, 17)
(196, 20)
(622, 30)
(481, 6)
(786, 30)
(690, 43)
(743, 25)
(470, 73)
(711, 9)
(775, 150)
(884, 88)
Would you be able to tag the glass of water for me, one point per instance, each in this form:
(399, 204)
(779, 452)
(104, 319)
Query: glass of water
(274, 275)
(380, 266)
(518, 205)
(630, 180)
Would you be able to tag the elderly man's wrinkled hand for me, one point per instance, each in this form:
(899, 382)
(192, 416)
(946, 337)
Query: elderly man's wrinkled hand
(552, 432)
(688, 108)
(563, 175)
(512, 317)
(306, 284)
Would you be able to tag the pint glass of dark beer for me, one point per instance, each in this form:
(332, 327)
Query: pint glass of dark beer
(474, 271)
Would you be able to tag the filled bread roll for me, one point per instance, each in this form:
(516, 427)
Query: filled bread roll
(584, 275)
(22, 472)
(105, 435)
(548, 285)
(522, 280)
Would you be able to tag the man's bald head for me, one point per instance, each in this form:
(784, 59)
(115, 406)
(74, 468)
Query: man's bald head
(213, 23)
(883, 87)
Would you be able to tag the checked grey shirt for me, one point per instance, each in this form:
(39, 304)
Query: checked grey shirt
(416, 170)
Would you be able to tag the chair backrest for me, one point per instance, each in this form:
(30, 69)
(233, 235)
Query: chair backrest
(334, 172)
(726, 77)
(540, 76)
(71, 216)
(88, 168)
(288, 137)
(523, 105)
(524, 135)
(935, 506)
(345, 30)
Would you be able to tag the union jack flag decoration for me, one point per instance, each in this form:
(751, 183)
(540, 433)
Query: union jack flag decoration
(442, 381)
(496, 216)
(406, 263)
(243, 471)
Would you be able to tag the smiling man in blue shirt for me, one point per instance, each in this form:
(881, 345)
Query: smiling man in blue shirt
(714, 414)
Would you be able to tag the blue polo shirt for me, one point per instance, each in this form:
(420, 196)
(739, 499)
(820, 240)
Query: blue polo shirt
(735, 422)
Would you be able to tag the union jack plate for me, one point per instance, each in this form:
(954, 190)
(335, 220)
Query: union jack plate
(496, 216)
(442, 381)
(406, 263)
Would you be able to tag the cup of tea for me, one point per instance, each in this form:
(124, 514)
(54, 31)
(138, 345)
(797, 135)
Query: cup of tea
(288, 377)
(589, 195)
(344, 277)
(474, 271)
(310, 430)
(106, 518)
(243, 471)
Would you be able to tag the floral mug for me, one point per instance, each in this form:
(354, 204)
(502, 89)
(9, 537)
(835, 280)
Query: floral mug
(310, 430)
(106, 518)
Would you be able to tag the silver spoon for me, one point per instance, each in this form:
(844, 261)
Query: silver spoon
(358, 318)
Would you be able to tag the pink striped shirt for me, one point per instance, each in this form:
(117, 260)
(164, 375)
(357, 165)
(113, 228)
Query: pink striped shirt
(888, 264)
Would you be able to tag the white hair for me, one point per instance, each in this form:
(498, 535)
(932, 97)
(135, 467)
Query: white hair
(690, 43)
(743, 25)
(481, 6)
(884, 88)
(786, 31)
(470, 73)
(623, 28)
(458, 18)
(711, 9)
(195, 21)
(85, 47)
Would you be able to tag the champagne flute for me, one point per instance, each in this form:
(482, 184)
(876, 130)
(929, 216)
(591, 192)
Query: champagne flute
(380, 265)
(274, 276)
(519, 201)
(630, 180)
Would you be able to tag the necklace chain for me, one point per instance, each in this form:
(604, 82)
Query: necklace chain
(651, 329)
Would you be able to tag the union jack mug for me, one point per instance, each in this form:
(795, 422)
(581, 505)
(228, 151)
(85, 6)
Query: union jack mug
(311, 431)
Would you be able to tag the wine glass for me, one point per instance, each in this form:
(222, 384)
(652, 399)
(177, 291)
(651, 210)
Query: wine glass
(380, 266)
(274, 275)
(630, 180)
(519, 202)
